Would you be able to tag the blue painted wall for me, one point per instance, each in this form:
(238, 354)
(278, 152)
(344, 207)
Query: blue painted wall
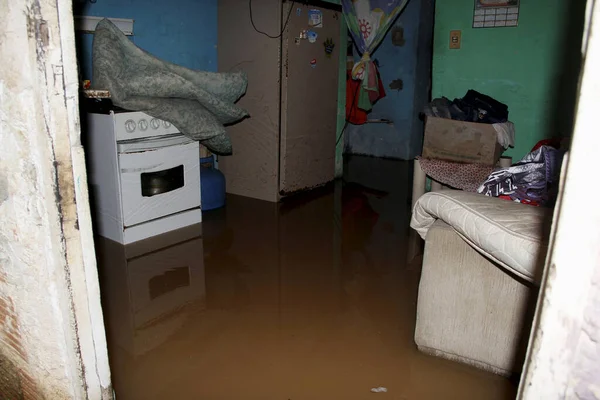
(411, 63)
(180, 31)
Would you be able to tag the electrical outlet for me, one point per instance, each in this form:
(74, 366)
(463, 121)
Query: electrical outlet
(455, 39)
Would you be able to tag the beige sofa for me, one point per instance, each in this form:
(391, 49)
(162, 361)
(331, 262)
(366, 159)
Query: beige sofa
(482, 264)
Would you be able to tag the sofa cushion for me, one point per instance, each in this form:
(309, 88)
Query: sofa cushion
(512, 234)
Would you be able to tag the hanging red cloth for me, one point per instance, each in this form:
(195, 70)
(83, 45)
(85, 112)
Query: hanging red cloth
(354, 114)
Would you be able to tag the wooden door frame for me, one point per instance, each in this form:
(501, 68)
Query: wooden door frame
(54, 340)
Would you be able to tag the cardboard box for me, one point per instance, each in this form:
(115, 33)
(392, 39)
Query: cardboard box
(460, 141)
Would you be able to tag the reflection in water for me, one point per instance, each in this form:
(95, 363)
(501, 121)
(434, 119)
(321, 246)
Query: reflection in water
(308, 299)
(149, 290)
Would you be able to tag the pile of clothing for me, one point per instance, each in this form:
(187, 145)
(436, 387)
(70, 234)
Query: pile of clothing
(473, 107)
(534, 180)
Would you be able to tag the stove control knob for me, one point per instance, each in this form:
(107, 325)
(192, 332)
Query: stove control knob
(130, 126)
(143, 124)
(167, 124)
(155, 123)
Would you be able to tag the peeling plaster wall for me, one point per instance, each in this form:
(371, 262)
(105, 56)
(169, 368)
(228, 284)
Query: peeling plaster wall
(52, 343)
(405, 66)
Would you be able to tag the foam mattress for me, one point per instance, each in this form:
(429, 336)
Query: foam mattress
(511, 234)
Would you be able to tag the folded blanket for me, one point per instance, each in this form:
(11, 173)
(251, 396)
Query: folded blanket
(198, 103)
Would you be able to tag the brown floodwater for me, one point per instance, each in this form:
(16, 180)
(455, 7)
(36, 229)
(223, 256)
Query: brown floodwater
(312, 298)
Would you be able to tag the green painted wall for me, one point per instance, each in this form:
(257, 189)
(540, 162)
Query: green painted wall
(341, 113)
(533, 68)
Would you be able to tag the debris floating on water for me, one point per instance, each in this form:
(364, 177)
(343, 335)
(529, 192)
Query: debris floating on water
(379, 389)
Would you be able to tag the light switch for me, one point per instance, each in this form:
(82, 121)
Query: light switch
(455, 39)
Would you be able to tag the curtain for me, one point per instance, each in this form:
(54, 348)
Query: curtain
(368, 22)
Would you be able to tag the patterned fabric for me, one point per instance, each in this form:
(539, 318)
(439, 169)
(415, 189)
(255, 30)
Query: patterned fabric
(369, 21)
(467, 177)
(198, 103)
(533, 180)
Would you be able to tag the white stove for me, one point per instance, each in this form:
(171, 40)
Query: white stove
(144, 176)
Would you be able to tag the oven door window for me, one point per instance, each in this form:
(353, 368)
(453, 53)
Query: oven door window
(159, 182)
(164, 181)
